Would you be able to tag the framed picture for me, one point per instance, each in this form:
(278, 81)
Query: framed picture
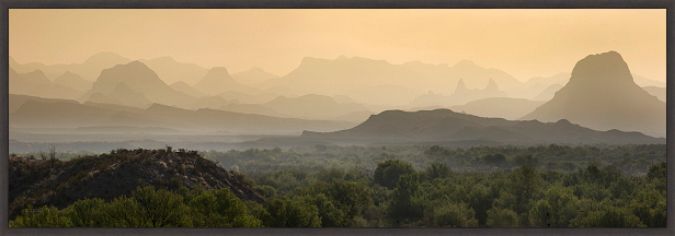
(336, 117)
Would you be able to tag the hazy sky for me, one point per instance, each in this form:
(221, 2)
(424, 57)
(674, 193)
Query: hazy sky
(522, 42)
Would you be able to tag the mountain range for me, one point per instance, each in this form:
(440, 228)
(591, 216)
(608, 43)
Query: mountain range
(461, 95)
(40, 113)
(442, 125)
(37, 84)
(358, 77)
(352, 88)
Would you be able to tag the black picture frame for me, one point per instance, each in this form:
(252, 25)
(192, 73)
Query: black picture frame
(5, 5)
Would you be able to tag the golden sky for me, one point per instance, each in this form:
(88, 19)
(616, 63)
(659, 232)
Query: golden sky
(524, 43)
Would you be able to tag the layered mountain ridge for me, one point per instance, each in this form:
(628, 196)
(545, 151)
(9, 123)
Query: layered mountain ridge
(444, 125)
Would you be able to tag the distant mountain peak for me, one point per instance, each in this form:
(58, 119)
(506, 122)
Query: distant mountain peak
(216, 81)
(215, 75)
(136, 63)
(311, 60)
(132, 72)
(601, 70)
(601, 94)
(492, 85)
(165, 58)
(160, 107)
(142, 82)
(104, 57)
(219, 70)
(465, 63)
(461, 87)
(69, 74)
(36, 73)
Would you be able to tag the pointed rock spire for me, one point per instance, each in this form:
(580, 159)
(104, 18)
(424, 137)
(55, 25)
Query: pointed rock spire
(461, 87)
(492, 86)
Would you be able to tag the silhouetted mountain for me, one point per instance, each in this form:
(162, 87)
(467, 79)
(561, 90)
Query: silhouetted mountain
(185, 88)
(502, 107)
(71, 114)
(121, 94)
(548, 92)
(135, 80)
(172, 71)
(313, 106)
(659, 92)
(107, 176)
(64, 114)
(16, 101)
(443, 125)
(254, 77)
(476, 75)
(35, 83)
(461, 95)
(601, 94)
(88, 69)
(218, 81)
(542, 88)
(73, 81)
(358, 77)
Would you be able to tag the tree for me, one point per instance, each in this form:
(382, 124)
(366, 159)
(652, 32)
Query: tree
(480, 200)
(388, 172)
(292, 213)
(126, 212)
(403, 207)
(220, 208)
(557, 209)
(89, 213)
(437, 170)
(607, 216)
(448, 214)
(330, 215)
(352, 198)
(501, 217)
(496, 159)
(161, 208)
(525, 183)
(41, 217)
(649, 204)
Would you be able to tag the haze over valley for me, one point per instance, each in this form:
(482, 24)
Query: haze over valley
(129, 101)
(112, 82)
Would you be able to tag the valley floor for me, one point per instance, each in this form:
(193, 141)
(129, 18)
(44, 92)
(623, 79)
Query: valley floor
(349, 186)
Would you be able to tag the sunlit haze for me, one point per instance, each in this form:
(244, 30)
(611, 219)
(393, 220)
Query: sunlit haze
(524, 43)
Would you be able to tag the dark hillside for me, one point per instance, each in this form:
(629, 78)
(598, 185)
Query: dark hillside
(44, 181)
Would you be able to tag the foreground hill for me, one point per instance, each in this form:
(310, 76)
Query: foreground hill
(442, 125)
(59, 183)
(601, 94)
